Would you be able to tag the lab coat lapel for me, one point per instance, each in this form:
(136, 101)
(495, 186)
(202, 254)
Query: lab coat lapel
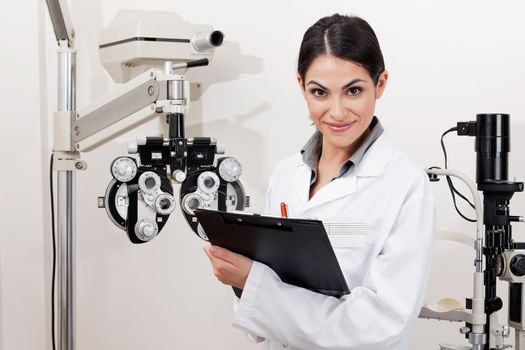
(338, 188)
(301, 183)
(376, 158)
(372, 165)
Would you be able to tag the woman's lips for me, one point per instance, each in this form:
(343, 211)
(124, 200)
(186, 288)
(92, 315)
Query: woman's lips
(339, 127)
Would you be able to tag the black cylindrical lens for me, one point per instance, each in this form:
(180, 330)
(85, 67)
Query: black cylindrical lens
(492, 147)
(176, 121)
(216, 38)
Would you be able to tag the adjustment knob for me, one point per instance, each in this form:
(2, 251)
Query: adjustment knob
(133, 148)
(230, 169)
(124, 169)
(464, 330)
(178, 175)
(517, 265)
(141, 140)
(146, 229)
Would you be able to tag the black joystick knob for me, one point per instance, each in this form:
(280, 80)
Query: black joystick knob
(517, 265)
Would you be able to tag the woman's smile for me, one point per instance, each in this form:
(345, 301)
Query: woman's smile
(340, 127)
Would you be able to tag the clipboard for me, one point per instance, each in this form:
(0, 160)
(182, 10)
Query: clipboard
(298, 250)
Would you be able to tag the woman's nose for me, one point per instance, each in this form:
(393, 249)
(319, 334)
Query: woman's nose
(337, 110)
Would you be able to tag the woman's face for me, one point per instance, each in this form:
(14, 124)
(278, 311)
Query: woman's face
(341, 97)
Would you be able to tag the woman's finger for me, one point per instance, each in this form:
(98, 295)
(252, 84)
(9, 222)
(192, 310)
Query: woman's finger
(226, 255)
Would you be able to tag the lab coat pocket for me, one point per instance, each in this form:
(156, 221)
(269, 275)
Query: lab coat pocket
(344, 234)
(352, 247)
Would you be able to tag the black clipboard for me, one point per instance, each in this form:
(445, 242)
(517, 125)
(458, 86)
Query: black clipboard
(298, 250)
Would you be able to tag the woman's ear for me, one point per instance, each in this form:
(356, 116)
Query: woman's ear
(301, 85)
(381, 84)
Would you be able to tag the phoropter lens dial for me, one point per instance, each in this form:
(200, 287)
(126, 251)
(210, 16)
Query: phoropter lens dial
(164, 204)
(191, 202)
(230, 169)
(208, 182)
(124, 169)
(149, 182)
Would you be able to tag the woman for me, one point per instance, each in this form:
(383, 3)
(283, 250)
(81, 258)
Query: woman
(349, 171)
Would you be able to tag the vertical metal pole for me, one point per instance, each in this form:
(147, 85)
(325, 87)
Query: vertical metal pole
(519, 340)
(65, 211)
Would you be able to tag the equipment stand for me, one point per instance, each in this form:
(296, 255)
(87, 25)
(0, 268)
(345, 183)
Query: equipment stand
(65, 208)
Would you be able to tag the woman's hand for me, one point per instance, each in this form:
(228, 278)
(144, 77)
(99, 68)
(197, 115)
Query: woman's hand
(230, 268)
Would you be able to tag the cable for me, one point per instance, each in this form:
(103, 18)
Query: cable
(453, 190)
(54, 253)
(449, 180)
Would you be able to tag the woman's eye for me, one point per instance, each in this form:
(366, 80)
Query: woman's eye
(353, 91)
(318, 92)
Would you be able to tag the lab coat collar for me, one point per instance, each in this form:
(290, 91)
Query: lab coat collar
(311, 151)
(372, 164)
(376, 158)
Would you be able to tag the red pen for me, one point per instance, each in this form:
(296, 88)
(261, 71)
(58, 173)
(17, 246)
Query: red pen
(284, 210)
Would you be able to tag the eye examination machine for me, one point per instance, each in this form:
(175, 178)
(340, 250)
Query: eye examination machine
(148, 54)
(504, 258)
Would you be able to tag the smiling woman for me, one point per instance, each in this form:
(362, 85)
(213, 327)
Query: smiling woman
(341, 73)
(348, 173)
(340, 96)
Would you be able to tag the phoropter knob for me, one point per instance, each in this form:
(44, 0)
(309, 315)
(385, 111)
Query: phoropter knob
(517, 265)
(146, 229)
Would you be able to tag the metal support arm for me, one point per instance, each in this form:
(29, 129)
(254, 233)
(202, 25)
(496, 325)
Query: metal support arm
(127, 107)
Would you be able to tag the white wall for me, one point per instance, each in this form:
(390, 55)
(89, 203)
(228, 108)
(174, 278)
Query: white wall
(447, 60)
(23, 213)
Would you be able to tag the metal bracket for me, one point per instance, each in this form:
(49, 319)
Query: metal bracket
(62, 131)
(68, 161)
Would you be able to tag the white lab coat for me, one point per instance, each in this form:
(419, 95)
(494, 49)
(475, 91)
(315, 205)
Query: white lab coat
(387, 276)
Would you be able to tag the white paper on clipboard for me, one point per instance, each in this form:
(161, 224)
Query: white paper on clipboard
(344, 234)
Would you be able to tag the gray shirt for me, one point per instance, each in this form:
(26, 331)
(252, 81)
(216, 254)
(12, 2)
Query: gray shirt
(311, 151)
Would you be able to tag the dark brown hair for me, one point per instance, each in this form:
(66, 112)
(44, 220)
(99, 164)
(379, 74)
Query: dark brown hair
(347, 37)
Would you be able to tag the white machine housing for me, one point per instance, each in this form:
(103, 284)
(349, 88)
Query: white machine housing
(138, 40)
